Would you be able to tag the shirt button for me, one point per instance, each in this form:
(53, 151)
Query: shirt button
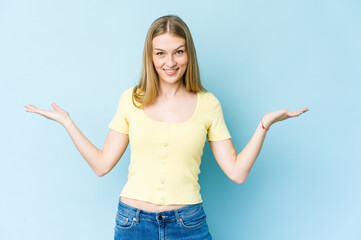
(165, 144)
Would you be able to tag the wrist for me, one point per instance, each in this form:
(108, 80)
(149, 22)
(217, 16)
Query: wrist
(266, 122)
(66, 122)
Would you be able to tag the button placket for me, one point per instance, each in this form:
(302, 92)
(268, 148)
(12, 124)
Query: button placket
(165, 142)
(164, 146)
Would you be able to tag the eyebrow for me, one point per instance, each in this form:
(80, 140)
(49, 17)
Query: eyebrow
(164, 50)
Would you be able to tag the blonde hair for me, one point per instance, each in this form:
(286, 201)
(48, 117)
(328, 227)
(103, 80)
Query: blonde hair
(147, 89)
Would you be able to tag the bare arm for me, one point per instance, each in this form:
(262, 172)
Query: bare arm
(90, 153)
(101, 161)
(246, 158)
(237, 167)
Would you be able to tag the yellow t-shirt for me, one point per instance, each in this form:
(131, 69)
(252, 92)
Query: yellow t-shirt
(165, 157)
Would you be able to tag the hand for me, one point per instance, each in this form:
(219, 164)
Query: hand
(280, 115)
(58, 115)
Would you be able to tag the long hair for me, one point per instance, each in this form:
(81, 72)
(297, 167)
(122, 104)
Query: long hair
(147, 89)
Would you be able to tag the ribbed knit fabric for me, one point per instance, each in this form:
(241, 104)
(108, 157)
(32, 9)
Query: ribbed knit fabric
(165, 157)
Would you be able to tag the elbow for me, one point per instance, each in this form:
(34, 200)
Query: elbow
(101, 169)
(239, 179)
(100, 172)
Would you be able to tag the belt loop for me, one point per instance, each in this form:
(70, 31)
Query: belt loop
(176, 215)
(137, 215)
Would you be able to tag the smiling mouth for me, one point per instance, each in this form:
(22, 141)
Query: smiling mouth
(171, 71)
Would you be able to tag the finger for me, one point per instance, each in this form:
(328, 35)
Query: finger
(55, 106)
(37, 110)
(46, 113)
(33, 109)
(30, 108)
(303, 110)
(299, 112)
(294, 113)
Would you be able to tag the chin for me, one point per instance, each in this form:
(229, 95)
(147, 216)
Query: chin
(170, 82)
(169, 79)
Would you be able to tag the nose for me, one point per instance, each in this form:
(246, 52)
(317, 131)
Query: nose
(171, 61)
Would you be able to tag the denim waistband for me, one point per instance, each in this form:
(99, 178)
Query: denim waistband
(137, 213)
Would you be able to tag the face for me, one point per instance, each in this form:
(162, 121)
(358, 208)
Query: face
(169, 57)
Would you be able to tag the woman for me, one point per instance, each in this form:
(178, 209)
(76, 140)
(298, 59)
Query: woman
(166, 118)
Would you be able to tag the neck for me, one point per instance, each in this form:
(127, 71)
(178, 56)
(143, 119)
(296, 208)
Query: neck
(169, 90)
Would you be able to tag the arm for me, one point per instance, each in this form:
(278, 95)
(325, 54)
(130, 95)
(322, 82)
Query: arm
(237, 167)
(246, 158)
(101, 161)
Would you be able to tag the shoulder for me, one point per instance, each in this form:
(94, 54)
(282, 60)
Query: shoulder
(211, 105)
(128, 91)
(125, 98)
(126, 94)
(210, 98)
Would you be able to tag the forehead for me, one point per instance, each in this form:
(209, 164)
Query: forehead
(167, 41)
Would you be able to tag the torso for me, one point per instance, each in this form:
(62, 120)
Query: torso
(148, 206)
(177, 110)
(172, 111)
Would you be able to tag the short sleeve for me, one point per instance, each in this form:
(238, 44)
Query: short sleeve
(218, 130)
(119, 122)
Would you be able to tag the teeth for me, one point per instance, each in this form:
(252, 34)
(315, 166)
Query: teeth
(170, 71)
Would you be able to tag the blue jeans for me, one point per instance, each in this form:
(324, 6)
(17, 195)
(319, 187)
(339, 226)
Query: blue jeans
(186, 223)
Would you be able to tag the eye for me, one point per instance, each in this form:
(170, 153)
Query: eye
(159, 53)
(179, 51)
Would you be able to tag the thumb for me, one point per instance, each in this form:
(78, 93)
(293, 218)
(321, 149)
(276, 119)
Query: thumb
(55, 106)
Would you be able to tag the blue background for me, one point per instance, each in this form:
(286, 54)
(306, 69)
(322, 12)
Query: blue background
(255, 56)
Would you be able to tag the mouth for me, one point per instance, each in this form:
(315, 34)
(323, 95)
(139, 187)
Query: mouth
(171, 72)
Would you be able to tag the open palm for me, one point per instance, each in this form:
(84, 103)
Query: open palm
(283, 114)
(58, 115)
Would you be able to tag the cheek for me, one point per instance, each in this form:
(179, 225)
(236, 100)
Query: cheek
(156, 63)
(184, 60)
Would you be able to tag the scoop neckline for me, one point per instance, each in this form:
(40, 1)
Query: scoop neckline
(180, 123)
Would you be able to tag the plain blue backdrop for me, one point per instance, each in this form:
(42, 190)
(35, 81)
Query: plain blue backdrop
(255, 56)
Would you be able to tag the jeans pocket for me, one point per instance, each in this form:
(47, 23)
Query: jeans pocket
(123, 221)
(194, 220)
